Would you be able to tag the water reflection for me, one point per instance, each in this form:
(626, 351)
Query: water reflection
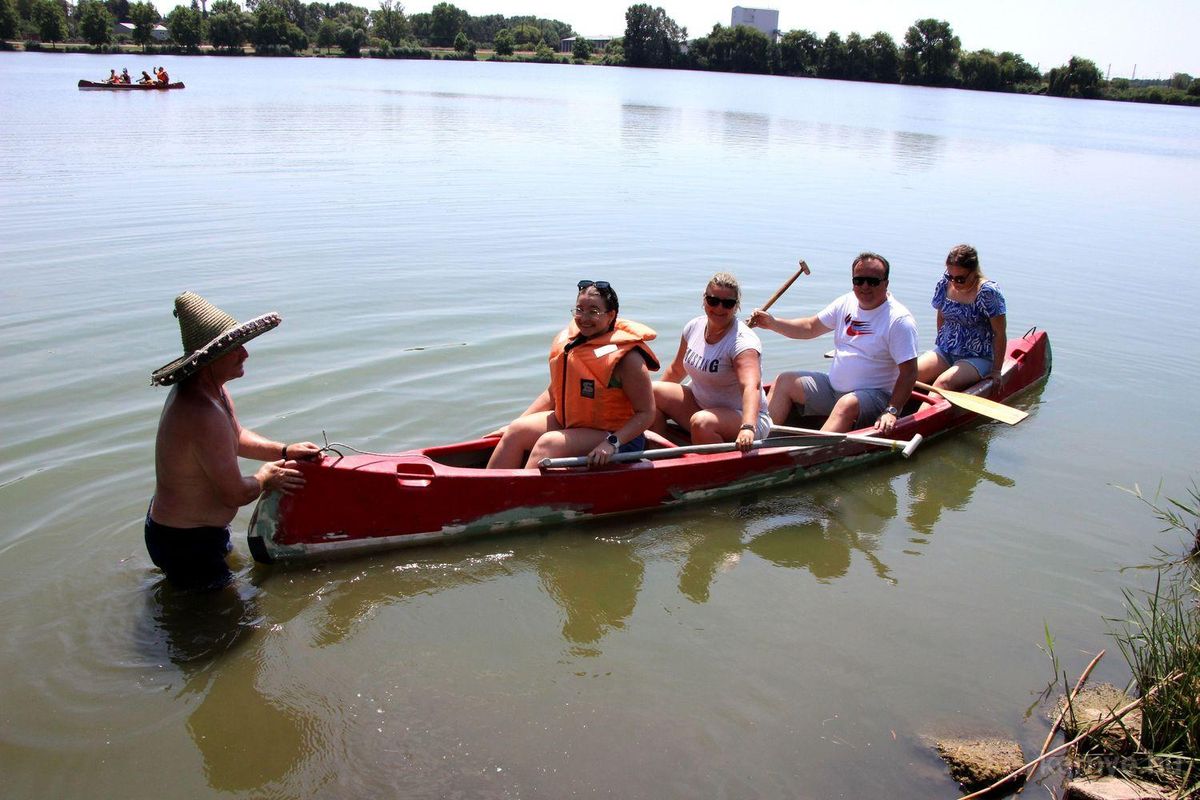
(742, 129)
(595, 583)
(949, 480)
(917, 150)
(646, 124)
(247, 739)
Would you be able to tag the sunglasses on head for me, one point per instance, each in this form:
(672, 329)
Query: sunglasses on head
(728, 302)
(598, 284)
(957, 280)
(869, 280)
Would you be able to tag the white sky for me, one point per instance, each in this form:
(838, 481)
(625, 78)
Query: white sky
(1158, 36)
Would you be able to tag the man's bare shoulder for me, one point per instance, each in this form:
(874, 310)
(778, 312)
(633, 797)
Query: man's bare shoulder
(192, 414)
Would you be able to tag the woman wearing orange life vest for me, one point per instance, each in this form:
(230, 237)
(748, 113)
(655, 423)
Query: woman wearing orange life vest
(599, 401)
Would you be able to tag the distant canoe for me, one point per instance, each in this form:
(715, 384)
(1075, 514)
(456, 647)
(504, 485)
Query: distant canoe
(125, 87)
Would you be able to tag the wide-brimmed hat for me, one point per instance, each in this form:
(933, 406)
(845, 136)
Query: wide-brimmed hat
(208, 333)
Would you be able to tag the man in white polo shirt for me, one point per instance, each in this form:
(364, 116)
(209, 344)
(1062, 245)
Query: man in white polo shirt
(874, 361)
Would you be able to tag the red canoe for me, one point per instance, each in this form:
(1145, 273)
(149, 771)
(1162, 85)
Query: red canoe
(360, 502)
(126, 87)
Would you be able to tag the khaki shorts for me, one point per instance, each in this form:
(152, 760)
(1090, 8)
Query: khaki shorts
(820, 397)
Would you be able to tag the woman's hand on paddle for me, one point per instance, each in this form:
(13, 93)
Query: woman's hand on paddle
(600, 454)
(274, 476)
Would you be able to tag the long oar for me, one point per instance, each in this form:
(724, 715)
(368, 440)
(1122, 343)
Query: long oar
(906, 448)
(979, 405)
(676, 452)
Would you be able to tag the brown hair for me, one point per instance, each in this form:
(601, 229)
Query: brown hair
(965, 256)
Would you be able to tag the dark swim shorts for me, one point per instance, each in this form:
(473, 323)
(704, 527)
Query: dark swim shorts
(192, 558)
(634, 445)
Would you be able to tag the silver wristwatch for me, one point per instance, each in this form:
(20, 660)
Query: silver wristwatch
(895, 412)
(614, 441)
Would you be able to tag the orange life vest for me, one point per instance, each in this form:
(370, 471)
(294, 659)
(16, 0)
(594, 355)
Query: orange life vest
(581, 371)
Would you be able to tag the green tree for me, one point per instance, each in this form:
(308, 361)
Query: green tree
(446, 23)
(504, 42)
(144, 17)
(10, 20)
(389, 23)
(460, 42)
(186, 27)
(1193, 89)
(270, 28)
(1016, 70)
(351, 40)
(799, 52)
(981, 70)
(543, 53)
(1181, 81)
(858, 62)
(327, 34)
(884, 58)
(652, 39)
(582, 49)
(1079, 77)
(736, 49)
(95, 23)
(930, 54)
(50, 20)
(228, 25)
(526, 36)
(833, 60)
(118, 8)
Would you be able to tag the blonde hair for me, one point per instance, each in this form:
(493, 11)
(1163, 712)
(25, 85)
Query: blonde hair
(726, 280)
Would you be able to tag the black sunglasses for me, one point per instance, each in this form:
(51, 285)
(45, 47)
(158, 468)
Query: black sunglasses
(598, 284)
(859, 280)
(957, 280)
(728, 302)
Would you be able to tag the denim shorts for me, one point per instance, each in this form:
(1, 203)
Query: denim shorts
(982, 365)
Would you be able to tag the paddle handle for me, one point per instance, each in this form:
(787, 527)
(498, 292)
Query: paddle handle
(676, 452)
(804, 270)
(906, 448)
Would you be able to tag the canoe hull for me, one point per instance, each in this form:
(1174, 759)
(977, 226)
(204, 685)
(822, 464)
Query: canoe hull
(129, 87)
(360, 502)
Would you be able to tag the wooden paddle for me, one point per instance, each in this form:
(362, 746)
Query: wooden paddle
(675, 452)
(906, 448)
(804, 270)
(979, 405)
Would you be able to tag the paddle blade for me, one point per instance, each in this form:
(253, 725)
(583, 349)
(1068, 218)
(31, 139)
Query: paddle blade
(984, 407)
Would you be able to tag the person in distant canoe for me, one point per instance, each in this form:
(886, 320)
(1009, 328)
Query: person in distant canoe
(163, 78)
(113, 77)
(600, 401)
(875, 355)
(198, 484)
(722, 358)
(972, 334)
(145, 80)
(125, 76)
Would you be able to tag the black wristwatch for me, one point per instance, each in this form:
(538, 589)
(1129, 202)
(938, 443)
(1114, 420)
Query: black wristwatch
(614, 441)
(747, 427)
(895, 412)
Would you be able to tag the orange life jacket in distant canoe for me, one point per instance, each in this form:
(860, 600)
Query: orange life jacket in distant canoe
(162, 77)
(581, 372)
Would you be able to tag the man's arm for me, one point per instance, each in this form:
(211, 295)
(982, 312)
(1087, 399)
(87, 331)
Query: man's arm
(799, 328)
(901, 392)
(254, 445)
(217, 456)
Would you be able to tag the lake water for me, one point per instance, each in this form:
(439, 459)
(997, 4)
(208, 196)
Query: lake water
(420, 226)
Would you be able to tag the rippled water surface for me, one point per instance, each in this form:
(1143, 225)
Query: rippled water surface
(420, 226)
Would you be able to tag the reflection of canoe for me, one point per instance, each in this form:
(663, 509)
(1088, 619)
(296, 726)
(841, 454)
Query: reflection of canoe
(127, 87)
(361, 502)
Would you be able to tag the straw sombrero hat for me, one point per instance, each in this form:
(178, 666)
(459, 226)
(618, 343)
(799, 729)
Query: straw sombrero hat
(208, 333)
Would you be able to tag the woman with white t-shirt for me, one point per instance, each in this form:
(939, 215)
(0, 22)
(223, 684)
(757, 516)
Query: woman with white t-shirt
(724, 401)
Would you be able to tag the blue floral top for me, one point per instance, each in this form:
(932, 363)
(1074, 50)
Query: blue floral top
(966, 328)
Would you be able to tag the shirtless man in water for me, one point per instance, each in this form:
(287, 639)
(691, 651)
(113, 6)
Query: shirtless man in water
(198, 483)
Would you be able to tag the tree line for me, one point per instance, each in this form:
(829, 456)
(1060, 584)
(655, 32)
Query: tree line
(930, 55)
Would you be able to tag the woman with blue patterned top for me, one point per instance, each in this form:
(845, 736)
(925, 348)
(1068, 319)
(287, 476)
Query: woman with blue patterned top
(972, 334)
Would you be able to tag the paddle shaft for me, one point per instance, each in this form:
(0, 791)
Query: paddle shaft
(793, 442)
(906, 448)
(804, 270)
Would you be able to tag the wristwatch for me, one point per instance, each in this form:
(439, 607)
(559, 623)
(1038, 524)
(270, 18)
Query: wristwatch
(895, 412)
(614, 441)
